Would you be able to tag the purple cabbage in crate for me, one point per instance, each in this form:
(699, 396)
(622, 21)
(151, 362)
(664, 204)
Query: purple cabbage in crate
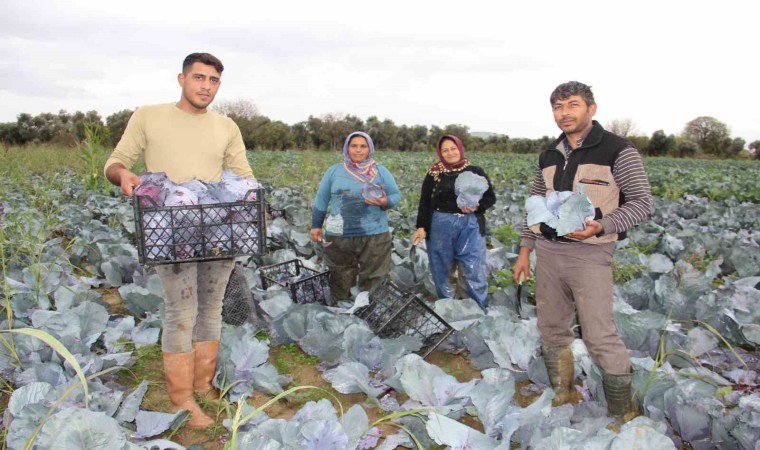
(218, 239)
(158, 235)
(152, 186)
(239, 186)
(217, 191)
(186, 233)
(181, 196)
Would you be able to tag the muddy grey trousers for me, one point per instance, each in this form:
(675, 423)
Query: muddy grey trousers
(570, 276)
(369, 257)
(193, 295)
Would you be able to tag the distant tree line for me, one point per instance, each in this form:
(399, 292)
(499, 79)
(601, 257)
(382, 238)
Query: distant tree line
(62, 129)
(703, 135)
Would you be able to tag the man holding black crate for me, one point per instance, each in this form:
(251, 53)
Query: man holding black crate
(186, 141)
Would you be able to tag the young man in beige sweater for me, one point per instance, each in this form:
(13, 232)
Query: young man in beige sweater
(186, 141)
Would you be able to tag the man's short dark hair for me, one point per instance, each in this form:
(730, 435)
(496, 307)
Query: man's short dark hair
(565, 90)
(203, 58)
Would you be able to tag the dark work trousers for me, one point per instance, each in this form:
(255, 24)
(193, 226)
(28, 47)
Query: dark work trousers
(369, 257)
(193, 296)
(577, 275)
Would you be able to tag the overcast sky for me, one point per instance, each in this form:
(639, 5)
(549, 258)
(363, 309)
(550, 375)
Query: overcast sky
(488, 65)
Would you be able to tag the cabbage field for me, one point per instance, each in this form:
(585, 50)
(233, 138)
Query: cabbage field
(80, 358)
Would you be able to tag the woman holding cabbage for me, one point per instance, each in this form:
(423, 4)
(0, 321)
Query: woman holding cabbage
(454, 198)
(357, 241)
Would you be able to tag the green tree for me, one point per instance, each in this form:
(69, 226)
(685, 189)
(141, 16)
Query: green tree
(384, 134)
(274, 136)
(732, 147)
(413, 138)
(496, 143)
(432, 138)
(81, 120)
(707, 132)
(9, 134)
(301, 137)
(686, 148)
(249, 128)
(116, 123)
(317, 132)
(660, 144)
(524, 145)
(640, 142)
(755, 146)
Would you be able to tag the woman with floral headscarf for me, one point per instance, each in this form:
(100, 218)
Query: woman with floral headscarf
(356, 236)
(453, 233)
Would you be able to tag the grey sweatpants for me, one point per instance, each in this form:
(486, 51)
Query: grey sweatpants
(369, 257)
(193, 295)
(577, 275)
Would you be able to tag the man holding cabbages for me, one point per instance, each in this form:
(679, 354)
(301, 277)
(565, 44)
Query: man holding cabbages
(574, 271)
(186, 141)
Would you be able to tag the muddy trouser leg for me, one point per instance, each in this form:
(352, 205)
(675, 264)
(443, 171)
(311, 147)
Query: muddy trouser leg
(212, 282)
(470, 251)
(554, 299)
(374, 260)
(180, 305)
(456, 279)
(341, 259)
(440, 246)
(592, 285)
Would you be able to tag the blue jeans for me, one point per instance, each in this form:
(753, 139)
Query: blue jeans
(456, 237)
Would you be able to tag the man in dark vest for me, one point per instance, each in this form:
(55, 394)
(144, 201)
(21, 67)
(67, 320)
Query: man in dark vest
(574, 271)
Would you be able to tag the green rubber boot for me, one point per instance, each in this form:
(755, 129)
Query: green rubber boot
(559, 366)
(617, 391)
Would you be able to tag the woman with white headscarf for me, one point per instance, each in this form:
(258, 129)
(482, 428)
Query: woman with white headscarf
(358, 191)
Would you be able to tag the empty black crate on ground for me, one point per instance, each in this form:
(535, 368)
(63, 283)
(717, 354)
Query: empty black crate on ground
(238, 300)
(239, 305)
(171, 234)
(392, 313)
(305, 285)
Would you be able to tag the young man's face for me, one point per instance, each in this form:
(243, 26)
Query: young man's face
(199, 86)
(573, 115)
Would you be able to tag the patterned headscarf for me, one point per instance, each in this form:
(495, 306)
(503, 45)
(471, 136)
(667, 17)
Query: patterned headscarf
(365, 171)
(441, 166)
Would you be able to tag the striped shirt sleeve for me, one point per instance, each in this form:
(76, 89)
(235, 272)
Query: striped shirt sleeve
(630, 176)
(537, 187)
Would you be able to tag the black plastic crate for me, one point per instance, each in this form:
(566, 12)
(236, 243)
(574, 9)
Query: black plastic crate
(238, 300)
(172, 234)
(392, 313)
(304, 285)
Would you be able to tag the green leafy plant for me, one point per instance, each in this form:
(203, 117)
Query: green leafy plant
(622, 273)
(506, 234)
(94, 156)
(290, 357)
